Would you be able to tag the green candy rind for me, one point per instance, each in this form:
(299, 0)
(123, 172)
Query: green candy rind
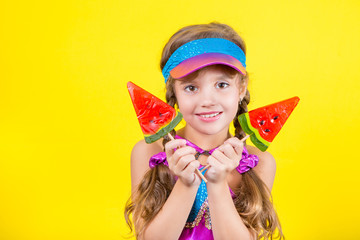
(243, 123)
(163, 131)
(255, 137)
(258, 143)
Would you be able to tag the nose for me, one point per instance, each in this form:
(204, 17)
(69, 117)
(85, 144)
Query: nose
(207, 98)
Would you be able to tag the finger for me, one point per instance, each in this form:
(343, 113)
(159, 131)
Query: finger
(179, 164)
(237, 144)
(190, 168)
(184, 162)
(172, 145)
(220, 156)
(214, 164)
(229, 151)
(184, 151)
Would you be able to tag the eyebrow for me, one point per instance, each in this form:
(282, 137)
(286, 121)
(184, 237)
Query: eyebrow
(223, 76)
(226, 77)
(184, 82)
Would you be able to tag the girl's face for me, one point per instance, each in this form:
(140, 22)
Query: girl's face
(208, 99)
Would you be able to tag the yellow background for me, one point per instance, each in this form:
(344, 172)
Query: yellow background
(67, 125)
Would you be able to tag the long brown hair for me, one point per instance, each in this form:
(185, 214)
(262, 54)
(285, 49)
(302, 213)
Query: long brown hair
(253, 199)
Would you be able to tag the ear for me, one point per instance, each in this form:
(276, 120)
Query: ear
(242, 92)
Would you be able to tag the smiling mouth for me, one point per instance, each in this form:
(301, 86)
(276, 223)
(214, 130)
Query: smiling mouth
(209, 115)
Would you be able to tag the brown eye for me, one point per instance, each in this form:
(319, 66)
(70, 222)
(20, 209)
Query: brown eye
(190, 88)
(222, 85)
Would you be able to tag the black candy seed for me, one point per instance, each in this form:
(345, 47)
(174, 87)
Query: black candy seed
(276, 117)
(262, 122)
(267, 130)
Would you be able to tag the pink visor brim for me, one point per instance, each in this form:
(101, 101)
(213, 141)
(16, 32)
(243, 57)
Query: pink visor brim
(195, 63)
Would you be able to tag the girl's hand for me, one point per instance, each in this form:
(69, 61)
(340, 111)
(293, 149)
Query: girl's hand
(224, 159)
(182, 162)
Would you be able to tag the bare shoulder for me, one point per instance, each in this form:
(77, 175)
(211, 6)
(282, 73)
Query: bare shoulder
(266, 167)
(265, 158)
(143, 149)
(140, 156)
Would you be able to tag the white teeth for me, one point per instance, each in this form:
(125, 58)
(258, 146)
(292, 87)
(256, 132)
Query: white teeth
(210, 115)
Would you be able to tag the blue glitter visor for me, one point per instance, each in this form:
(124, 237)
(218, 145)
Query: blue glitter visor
(201, 53)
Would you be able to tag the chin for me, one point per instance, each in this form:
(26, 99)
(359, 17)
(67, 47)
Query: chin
(209, 130)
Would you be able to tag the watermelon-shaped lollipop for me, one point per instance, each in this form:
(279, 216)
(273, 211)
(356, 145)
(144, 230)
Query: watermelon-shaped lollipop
(156, 117)
(263, 124)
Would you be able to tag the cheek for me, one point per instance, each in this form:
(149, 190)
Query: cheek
(184, 107)
(183, 103)
(187, 110)
(231, 103)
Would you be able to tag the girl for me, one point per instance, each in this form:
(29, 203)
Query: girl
(205, 75)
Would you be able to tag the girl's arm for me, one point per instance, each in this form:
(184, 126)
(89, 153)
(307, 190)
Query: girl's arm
(225, 220)
(170, 221)
(266, 167)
